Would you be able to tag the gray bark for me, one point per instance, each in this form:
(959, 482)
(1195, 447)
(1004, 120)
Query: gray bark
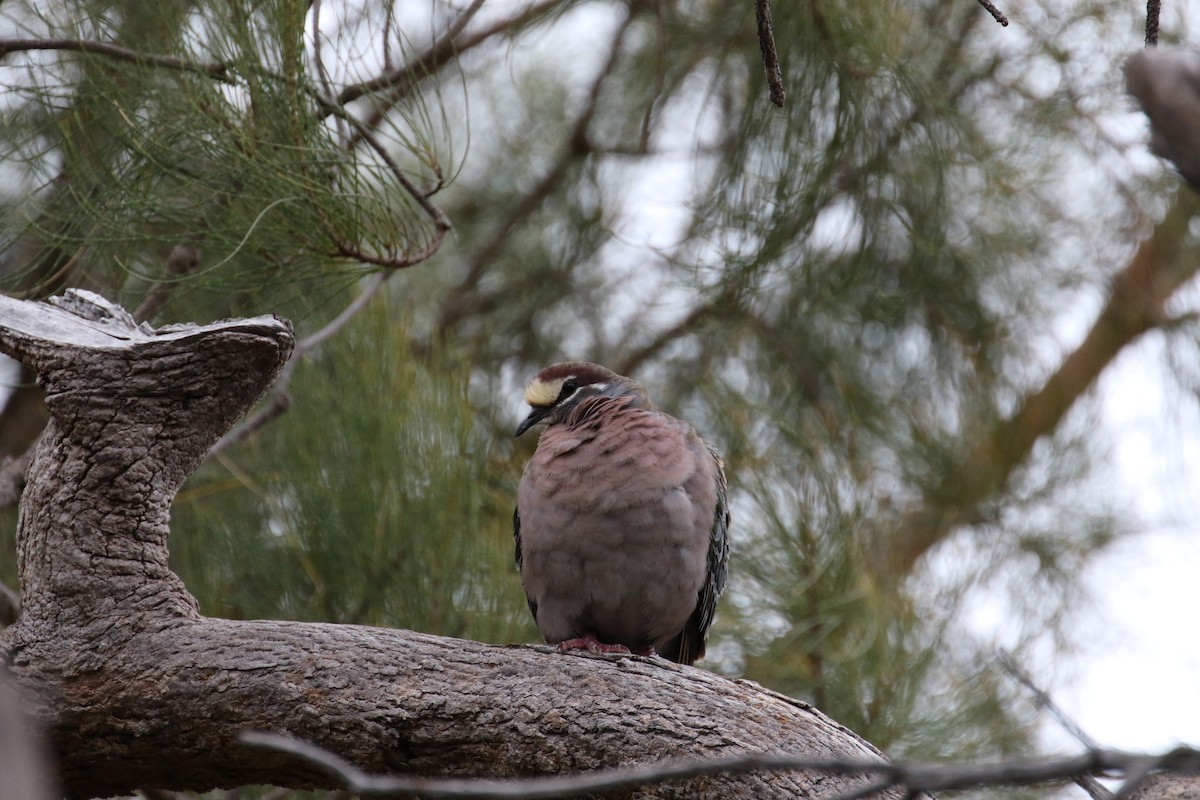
(1167, 786)
(137, 689)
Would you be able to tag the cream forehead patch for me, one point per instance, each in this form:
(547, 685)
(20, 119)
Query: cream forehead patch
(543, 393)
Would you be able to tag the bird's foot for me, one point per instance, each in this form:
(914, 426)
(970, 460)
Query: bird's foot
(592, 645)
(648, 650)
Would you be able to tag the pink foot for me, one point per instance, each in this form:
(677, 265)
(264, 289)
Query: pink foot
(648, 651)
(592, 645)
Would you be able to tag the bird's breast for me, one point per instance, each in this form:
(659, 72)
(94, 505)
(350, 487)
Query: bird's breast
(632, 460)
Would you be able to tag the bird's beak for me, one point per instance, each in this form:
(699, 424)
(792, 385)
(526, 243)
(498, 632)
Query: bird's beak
(534, 418)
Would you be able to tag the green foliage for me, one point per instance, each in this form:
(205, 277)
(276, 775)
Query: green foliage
(370, 502)
(251, 166)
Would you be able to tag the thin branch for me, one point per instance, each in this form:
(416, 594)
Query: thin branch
(397, 84)
(770, 57)
(319, 64)
(440, 52)
(996, 13)
(441, 222)
(315, 340)
(215, 69)
(1042, 699)
(458, 304)
(722, 303)
(279, 400)
(914, 777)
(1134, 778)
(1153, 8)
(182, 259)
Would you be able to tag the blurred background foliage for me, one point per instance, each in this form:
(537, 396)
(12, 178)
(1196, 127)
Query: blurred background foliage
(842, 294)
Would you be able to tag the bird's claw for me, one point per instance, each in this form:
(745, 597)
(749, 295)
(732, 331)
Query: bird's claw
(592, 645)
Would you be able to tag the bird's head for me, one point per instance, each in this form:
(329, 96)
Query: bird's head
(558, 389)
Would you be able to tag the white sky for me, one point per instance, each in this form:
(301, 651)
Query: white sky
(1136, 684)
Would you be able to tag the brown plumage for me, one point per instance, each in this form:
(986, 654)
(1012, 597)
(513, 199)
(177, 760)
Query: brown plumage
(621, 519)
(1166, 84)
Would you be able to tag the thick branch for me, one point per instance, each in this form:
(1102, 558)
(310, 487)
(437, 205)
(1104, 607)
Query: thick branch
(1136, 304)
(139, 691)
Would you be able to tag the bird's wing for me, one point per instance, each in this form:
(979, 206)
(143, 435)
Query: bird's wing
(692, 639)
(518, 558)
(517, 536)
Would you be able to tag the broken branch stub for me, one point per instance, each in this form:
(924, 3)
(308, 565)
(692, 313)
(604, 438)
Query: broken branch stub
(133, 412)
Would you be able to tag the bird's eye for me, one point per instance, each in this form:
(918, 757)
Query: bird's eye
(568, 388)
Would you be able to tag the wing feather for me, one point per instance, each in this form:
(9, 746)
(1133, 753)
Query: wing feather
(693, 638)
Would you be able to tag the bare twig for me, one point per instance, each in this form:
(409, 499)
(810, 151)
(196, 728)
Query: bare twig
(1088, 783)
(996, 13)
(914, 777)
(770, 57)
(396, 84)
(182, 259)
(576, 145)
(1042, 699)
(1153, 7)
(216, 69)
(439, 53)
(318, 59)
(315, 340)
(1134, 778)
(441, 223)
(279, 400)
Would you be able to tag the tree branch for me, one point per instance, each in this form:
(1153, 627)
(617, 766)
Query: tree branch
(137, 690)
(279, 400)
(463, 300)
(448, 46)
(1153, 9)
(770, 57)
(914, 778)
(996, 13)
(1136, 304)
(1095, 789)
(214, 69)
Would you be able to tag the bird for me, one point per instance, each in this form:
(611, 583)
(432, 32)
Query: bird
(1166, 83)
(622, 519)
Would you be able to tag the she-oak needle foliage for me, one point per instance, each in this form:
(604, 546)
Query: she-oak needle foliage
(369, 502)
(844, 295)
